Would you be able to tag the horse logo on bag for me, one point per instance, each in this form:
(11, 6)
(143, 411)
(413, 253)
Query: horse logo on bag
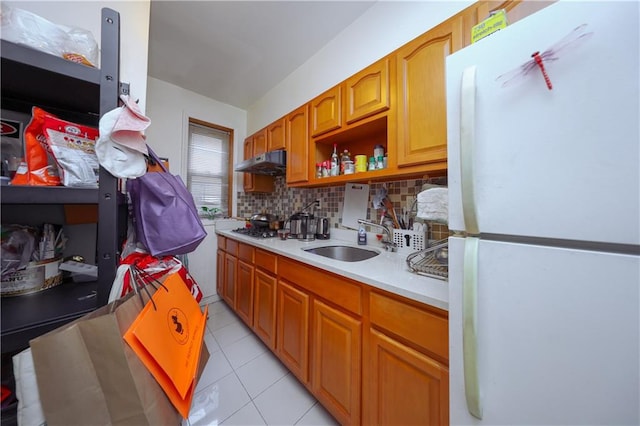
(179, 325)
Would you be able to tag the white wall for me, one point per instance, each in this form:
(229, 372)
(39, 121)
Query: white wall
(169, 108)
(383, 28)
(134, 31)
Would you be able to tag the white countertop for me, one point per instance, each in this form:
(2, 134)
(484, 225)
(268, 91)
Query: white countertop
(387, 271)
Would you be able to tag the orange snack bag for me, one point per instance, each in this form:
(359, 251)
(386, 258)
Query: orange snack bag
(41, 167)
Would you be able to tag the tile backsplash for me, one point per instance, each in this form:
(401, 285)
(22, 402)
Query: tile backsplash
(284, 201)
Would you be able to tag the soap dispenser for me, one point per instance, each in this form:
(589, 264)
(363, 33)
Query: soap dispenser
(362, 236)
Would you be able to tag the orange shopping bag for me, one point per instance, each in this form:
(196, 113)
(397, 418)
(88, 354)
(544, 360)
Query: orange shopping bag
(168, 336)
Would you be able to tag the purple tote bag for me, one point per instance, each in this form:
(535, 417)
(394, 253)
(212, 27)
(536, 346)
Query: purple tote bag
(164, 214)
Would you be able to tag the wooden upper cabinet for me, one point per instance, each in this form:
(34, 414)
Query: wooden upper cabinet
(326, 111)
(247, 178)
(260, 142)
(254, 145)
(297, 134)
(368, 91)
(422, 119)
(276, 133)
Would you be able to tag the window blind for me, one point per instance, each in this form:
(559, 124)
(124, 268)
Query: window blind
(208, 167)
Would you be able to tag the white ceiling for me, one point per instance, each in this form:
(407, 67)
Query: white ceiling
(235, 51)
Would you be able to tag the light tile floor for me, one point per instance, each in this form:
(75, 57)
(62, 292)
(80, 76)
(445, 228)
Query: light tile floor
(244, 383)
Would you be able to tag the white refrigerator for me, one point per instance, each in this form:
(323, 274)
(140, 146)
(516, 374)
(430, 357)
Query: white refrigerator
(544, 205)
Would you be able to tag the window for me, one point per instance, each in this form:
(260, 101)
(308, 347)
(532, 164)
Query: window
(208, 177)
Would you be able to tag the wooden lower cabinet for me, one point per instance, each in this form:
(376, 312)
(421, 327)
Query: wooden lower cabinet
(336, 358)
(220, 271)
(264, 308)
(244, 292)
(369, 356)
(292, 331)
(229, 284)
(403, 386)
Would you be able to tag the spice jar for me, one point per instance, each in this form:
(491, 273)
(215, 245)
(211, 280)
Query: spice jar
(372, 163)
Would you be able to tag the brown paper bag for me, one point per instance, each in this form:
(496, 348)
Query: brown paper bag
(87, 374)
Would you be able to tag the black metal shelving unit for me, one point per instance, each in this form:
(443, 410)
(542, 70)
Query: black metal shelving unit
(77, 93)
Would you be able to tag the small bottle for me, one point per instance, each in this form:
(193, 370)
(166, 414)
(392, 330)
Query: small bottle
(325, 168)
(378, 151)
(335, 161)
(318, 170)
(380, 162)
(372, 163)
(362, 236)
(346, 156)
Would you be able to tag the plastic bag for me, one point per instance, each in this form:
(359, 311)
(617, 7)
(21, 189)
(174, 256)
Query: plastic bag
(18, 244)
(24, 27)
(74, 149)
(154, 268)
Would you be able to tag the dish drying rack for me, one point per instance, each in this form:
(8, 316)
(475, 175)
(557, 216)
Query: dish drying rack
(432, 262)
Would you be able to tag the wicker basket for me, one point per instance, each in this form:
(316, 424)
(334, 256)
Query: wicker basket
(37, 276)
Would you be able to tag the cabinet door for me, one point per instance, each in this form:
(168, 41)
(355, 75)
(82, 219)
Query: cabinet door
(260, 142)
(336, 362)
(297, 134)
(276, 133)
(264, 308)
(403, 386)
(244, 292)
(293, 330)
(368, 91)
(326, 111)
(229, 290)
(247, 178)
(422, 120)
(220, 265)
(254, 145)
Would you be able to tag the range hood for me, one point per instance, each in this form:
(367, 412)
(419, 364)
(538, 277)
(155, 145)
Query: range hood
(273, 163)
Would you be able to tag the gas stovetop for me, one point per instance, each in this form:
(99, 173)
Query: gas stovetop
(257, 232)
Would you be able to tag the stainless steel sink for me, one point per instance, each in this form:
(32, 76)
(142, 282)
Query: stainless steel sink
(344, 253)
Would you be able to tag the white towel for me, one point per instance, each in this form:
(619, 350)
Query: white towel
(29, 408)
(433, 204)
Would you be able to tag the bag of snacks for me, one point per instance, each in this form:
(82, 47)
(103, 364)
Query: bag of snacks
(39, 166)
(74, 149)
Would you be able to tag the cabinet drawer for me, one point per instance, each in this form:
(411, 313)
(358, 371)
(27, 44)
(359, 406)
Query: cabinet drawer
(267, 261)
(344, 293)
(221, 242)
(425, 328)
(232, 247)
(246, 252)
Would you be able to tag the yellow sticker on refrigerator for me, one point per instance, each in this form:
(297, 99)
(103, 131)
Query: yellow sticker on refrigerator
(496, 21)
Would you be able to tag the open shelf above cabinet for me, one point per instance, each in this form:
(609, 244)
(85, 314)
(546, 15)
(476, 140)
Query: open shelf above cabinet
(46, 80)
(48, 195)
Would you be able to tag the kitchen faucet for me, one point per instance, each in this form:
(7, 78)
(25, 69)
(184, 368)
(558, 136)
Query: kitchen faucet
(387, 237)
